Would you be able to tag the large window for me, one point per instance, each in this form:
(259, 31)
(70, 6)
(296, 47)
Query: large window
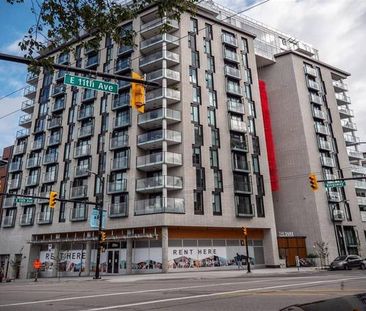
(198, 202)
(216, 203)
(243, 205)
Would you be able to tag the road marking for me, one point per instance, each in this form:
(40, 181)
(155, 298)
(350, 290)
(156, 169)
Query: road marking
(218, 294)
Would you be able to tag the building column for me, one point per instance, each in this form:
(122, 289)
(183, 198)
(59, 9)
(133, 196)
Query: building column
(164, 248)
(88, 257)
(270, 248)
(129, 253)
(56, 255)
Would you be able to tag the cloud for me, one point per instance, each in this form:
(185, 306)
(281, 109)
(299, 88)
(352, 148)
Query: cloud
(13, 47)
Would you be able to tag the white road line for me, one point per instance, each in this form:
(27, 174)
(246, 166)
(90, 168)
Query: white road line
(217, 294)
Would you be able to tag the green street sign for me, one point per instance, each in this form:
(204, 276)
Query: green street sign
(24, 200)
(334, 184)
(87, 83)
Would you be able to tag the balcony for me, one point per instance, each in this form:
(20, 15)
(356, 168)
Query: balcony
(241, 166)
(45, 195)
(361, 200)
(79, 192)
(14, 184)
(15, 166)
(229, 40)
(348, 126)
(154, 27)
(358, 169)
(360, 184)
(232, 72)
(82, 171)
(344, 112)
(342, 99)
(22, 133)
(334, 196)
(9, 202)
(310, 71)
(338, 215)
(30, 92)
(154, 98)
(327, 161)
(25, 121)
(63, 59)
(156, 184)
(118, 142)
(50, 177)
(85, 113)
(231, 56)
(154, 61)
(159, 205)
(124, 49)
(37, 144)
(19, 149)
(325, 145)
(239, 145)
(156, 43)
(50, 158)
(86, 131)
(54, 140)
(318, 114)
(54, 123)
(58, 89)
(89, 95)
(313, 85)
(235, 106)
(27, 219)
(153, 119)
(322, 129)
(172, 77)
(241, 186)
(154, 139)
(237, 126)
(351, 139)
(117, 186)
(82, 151)
(340, 86)
(123, 84)
(354, 154)
(118, 210)
(120, 164)
(122, 65)
(60, 75)
(92, 61)
(9, 221)
(32, 180)
(121, 121)
(58, 105)
(234, 89)
(45, 218)
(121, 101)
(154, 161)
(32, 78)
(33, 162)
(28, 106)
(315, 99)
(79, 213)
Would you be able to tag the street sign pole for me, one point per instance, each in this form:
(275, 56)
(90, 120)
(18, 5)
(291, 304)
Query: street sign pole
(247, 251)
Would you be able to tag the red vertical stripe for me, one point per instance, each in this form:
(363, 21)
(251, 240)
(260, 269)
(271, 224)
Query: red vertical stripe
(269, 137)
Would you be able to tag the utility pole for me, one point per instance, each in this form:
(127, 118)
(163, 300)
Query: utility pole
(245, 232)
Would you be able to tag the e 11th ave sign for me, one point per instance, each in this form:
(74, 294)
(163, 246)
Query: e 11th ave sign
(87, 83)
(24, 200)
(334, 184)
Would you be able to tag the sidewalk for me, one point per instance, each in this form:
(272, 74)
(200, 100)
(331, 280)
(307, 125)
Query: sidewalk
(208, 274)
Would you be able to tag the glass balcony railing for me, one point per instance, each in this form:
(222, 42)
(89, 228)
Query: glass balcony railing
(122, 64)
(27, 219)
(37, 144)
(319, 114)
(322, 129)
(121, 121)
(50, 158)
(92, 61)
(54, 123)
(343, 98)
(358, 169)
(54, 140)
(119, 142)
(33, 162)
(339, 84)
(79, 192)
(120, 163)
(348, 125)
(30, 91)
(316, 99)
(118, 209)
(15, 166)
(355, 154)
(50, 177)
(82, 170)
(159, 182)
(238, 126)
(360, 184)
(159, 205)
(351, 139)
(361, 200)
(169, 135)
(19, 149)
(158, 56)
(32, 77)
(240, 145)
(32, 180)
(170, 94)
(89, 95)
(124, 49)
(123, 84)
(14, 184)
(157, 23)
(310, 71)
(234, 89)
(327, 161)
(22, 133)
(82, 151)
(159, 114)
(345, 111)
(163, 73)
(63, 59)
(325, 145)
(121, 101)
(79, 212)
(242, 186)
(59, 89)
(170, 158)
(232, 72)
(85, 113)
(313, 85)
(25, 120)
(85, 131)
(59, 104)
(9, 202)
(45, 217)
(234, 106)
(28, 105)
(232, 56)
(230, 40)
(159, 39)
(117, 186)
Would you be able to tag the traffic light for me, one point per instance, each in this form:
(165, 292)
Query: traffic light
(52, 199)
(103, 236)
(245, 231)
(313, 182)
(137, 93)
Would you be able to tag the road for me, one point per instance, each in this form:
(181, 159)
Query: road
(243, 292)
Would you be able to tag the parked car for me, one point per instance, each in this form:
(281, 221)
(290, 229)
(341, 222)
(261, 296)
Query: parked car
(348, 262)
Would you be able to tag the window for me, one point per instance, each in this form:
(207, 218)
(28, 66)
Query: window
(195, 114)
(243, 205)
(251, 127)
(218, 180)
(198, 202)
(244, 47)
(240, 161)
(214, 158)
(209, 80)
(207, 47)
(208, 32)
(194, 26)
(216, 203)
(242, 183)
(212, 102)
(255, 142)
(251, 109)
(198, 135)
(215, 137)
(192, 75)
(210, 63)
(248, 91)
(196, 156)
(211, 116)
(196, 92)
(245, 60)
(260, 206)
(260, 185)
(192, 42)
(255, 160)
(195, 59)
(200, 178)
(105, 119)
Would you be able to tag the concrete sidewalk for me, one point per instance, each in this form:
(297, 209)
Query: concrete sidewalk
(208, 274)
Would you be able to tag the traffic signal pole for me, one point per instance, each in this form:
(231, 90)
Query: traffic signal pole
(247, 251)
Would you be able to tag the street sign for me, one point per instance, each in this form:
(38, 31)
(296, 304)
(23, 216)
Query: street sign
(87, 83)
(94, 219)
(24, 200)
(334, 184)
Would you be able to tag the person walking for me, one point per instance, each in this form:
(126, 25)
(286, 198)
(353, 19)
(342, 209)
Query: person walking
(238, 261)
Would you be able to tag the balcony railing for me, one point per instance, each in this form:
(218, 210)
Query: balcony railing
(58, 89)
(9, 202)
(15, 166)
(63, 59)
(79, 192)
(85, 113)
(316, 99)
(159, 182)
(171, 95)
(45, 217)
(238, 126)
(33, 162)
(50, 158)
(32, 180)
(242, 186)
(231, 56)
(14, 183)
(354, 154)
(45, 195)
(59, 104)
(361, 200)
(85, 131)
(50, 177)
(325, 145)
(310, 71)
(121, 102)
(124, 49)
(340, 85)
(345, 111)
(121, 121)
(54, 140)
(28, 105)
(89, 95)
(26, 219)
(234, 106)
(171, 41)
(327, 161)
(156, 159)
(120, 163)
(32, 77)
(170, 75)
(343, 98)
(360, 184)
(118, 210)
(79, 213)
(358, 169)
(240, 145)
(348, 125)
(54, 123)
(82, 151)
(9, 221)
(229, 40)
(92, 61)
(122, 65)
(334, 196)
(119, 142)
(313, 85)
(232, 72)
(172, 58)
(19, 149)
(159, 135)
(351, 139)
(159, 205)
(83, 170)
(157, 24)
(37, 144)
(159, 114)
(234, 89)
(30, 91)
(25, 120)
(338, 215)
(319, 114)
(322, 129)
(117, 186)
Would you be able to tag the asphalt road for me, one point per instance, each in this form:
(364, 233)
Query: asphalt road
(233, 293)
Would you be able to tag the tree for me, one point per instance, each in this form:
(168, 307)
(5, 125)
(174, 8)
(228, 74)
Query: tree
(61, 21)
(321, 249)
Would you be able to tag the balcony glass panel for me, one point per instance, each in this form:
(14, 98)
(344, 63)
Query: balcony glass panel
(19, 149)
(228, 39)
(59, 104)
(120, 163)
(58, 89)
(343, 98)
(81, 151)
(45, 217)
(86, 113)
(117, 186)
(159, 205)
(121, 101)
(118, 210)
(231, 55)
(15, 166)
(122, 121)
(237, 125)
(234, 106)
(119, 142)
(122, 64)
(28, 105)
(92, 61)
(232, 72)
(14, 184)
(79, 212)
(50, 158)
(86, 131)
(79, 192)
(50, 177)
(27, 219)
(9, 202)
(33, 162)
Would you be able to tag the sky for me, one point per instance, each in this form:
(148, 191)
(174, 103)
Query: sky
(337, 28)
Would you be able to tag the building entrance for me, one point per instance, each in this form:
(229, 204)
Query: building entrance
(290, 247)
(113, 261)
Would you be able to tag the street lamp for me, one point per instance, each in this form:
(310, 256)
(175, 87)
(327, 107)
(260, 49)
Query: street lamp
(100, 209)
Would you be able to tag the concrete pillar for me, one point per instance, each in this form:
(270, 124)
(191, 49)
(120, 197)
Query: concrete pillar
(271, 256)
(88, 257)
(129, 254)
(164, 248)
(56, 255)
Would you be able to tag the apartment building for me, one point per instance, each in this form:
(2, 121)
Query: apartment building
(180, 180)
